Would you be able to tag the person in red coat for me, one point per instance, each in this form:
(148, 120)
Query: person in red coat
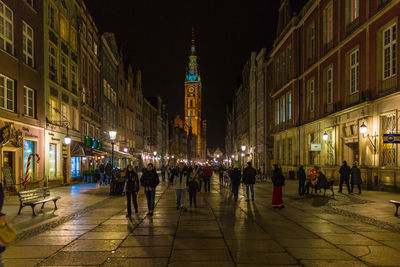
(278, 180)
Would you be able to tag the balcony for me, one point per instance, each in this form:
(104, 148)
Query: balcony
(352, 26)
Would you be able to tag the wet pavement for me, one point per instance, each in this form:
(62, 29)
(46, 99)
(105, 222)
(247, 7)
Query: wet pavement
(220, 232)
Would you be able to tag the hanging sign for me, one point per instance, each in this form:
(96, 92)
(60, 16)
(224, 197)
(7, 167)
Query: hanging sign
(391, 138)
(315, 147)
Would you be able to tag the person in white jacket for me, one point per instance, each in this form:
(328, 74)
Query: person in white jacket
(180, 178)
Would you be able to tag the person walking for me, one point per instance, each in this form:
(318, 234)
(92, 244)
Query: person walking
(180, 178)
(355, 178)
(102, 170)
(344, 177)
(131, 190)
(249, 179)
(207, 174)
(221, 174)
(235, 176)
(278, 180)
(193, 187)
(301, 175)
(108, 171)
(163, 170)
(149, 181)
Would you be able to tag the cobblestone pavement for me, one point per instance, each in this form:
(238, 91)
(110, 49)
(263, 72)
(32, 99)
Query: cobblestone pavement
(219, 233)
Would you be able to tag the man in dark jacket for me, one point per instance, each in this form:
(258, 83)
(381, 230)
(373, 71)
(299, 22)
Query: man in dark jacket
(108, 170)
(301, 175)
(235, 176)
(131, 189)
(207, 173)
(149, 181)
(356, 178)
(102, 170)
(344, 176)
(249, 179)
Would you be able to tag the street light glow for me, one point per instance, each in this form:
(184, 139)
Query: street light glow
(325, 137)
(113, 135)
(67, 139)
(125, 149)
(155, 153)
(363, 128)
(243, 148)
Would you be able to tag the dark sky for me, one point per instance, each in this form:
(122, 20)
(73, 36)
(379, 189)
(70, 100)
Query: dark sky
(156, 35)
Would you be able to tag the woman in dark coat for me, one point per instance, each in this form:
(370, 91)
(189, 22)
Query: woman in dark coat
(235, 176)
(131, 189)
(355, 178)
(278, 180)
(149, 181)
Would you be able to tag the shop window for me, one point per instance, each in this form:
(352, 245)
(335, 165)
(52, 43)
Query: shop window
(52, 161)
(388, 123)
(75, 167)
(29, 148)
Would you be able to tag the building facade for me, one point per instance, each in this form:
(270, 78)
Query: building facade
(62, 97)
(334, 81)
(22, 100)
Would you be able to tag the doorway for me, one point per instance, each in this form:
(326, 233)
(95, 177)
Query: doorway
(9, 169)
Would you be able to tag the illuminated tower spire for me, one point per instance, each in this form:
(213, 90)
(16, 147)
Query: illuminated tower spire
(193, 74)
(193, 48)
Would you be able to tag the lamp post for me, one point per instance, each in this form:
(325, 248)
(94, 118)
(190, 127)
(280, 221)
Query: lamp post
(363, 130)
(113, 136)
(243, 154)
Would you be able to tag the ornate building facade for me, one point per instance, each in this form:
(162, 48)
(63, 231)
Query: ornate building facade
(193, 91)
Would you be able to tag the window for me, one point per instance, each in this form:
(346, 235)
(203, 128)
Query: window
(311, 48)
(29, 102)
(329, 85)
(354, 10)
(64, 28)
(27, 44)
(90, 39)
(29, 148)
(64, 71)
(53, 63)
(289, 64)
(389, 155)
(6, 28)
(52, 16)
(65, 112)
(389, 51)
(6, 93)
(311, 95)
(54, 111)
(52, 161)
(95, 48)
(277, 82)
(84, 30)
(283, 107)
(73, 79)
(283, 73)
(277, 111)
(75, 119)
(85, 127)
(74, 42)
(289, 101)
(328, 20)
(354, 71)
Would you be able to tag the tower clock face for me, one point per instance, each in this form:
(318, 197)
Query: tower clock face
(191, 89)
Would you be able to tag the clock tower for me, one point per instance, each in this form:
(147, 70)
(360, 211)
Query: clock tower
(193, 98)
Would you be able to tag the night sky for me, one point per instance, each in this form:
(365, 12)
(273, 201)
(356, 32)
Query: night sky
(156, 36)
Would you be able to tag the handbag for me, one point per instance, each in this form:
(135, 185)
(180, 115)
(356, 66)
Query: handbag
(7, 233)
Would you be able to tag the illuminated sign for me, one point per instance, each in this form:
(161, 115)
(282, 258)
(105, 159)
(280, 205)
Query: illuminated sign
(93, 143)
(391, 138)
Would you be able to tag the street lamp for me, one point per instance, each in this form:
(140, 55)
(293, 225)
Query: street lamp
(233, 156)
(113, 136)
(243, 148)
(217, 156)
(67, 138)
(155, 153)
(363, 128)
(125, 149)
(325, 137)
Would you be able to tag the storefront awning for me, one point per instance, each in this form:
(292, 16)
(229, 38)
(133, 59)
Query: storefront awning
(78, 149)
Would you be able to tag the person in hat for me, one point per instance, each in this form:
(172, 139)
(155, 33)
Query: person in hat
(355, 178)
(249, 179)
(235, 176)
(344, 177)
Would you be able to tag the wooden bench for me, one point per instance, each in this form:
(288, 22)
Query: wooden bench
(397, 204)
(34, 197)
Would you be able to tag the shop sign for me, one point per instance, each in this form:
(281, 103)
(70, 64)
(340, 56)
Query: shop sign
(65, 151)
(391, 138)
(315, 147)
(93, 143)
